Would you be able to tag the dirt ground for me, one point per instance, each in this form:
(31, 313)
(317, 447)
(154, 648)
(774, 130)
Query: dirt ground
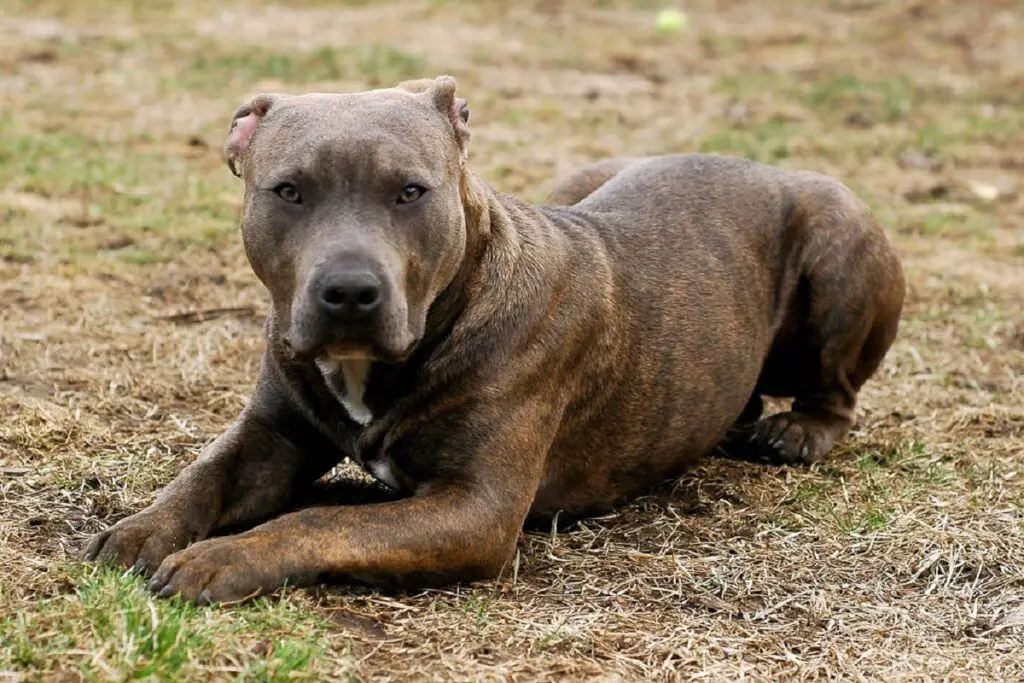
(130, 331)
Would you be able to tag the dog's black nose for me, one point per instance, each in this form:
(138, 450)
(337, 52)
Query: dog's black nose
(350, 296)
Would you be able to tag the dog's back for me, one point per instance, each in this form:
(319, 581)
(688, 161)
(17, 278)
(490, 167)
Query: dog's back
(723, 271)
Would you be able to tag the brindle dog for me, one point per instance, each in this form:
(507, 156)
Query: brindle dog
(497, 363)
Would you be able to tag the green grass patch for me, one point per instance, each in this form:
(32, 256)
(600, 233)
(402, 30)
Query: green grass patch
(375, 63)
(144, 257)
(885, 100)
(129, 634)
(742, 86)
(967, 224)
(912, 460)
(767, 143)
(477, 606)
(814, 502)
(77, 197)
(890, 456)
(965, 125)
(865, 520)
(930, 139)
(834, 96)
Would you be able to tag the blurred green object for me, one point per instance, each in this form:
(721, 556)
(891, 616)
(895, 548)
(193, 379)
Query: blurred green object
(671, 20)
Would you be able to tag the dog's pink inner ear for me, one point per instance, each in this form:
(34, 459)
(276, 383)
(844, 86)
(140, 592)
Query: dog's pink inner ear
(242, 130)
(243, 125)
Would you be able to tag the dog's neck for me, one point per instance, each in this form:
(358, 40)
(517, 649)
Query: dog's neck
(492, 249)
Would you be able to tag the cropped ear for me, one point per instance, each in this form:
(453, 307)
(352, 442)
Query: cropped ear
(243, 124)
(441, 92)
(416, 86)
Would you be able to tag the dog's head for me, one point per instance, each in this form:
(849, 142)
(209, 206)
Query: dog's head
(352, 215)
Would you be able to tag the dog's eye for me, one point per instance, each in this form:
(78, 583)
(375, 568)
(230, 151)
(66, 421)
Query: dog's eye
(287, 192)
(411, 193)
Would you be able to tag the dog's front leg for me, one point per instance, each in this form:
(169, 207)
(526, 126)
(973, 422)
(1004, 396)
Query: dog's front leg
(443, 536)
(477, 485)
(248, 473)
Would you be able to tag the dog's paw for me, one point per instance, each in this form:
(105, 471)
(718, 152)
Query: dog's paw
(219, 570)
(140, 542)
(792, 438)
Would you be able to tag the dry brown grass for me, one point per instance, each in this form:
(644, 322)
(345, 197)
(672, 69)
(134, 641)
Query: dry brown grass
(902, 559)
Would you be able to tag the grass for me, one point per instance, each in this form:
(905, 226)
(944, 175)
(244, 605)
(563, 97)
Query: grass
(127, 632)
(970, 223)
(376, 64)
(887, 100)
(768, 143)
(898, 559)
(88, 196)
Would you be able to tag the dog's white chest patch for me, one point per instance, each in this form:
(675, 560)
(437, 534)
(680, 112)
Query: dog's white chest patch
(352, 375)
(346, 378)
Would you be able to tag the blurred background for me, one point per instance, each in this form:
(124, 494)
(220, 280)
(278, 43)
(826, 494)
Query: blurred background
(130, 330)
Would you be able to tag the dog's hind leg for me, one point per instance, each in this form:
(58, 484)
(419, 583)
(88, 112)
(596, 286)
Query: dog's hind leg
(841, 322)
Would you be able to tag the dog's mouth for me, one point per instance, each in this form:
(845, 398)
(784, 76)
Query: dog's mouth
(349, 351)
(383, 335)
(352, 351)
(364, 351)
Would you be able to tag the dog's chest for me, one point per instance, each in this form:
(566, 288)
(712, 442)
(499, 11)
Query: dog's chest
(346, 380)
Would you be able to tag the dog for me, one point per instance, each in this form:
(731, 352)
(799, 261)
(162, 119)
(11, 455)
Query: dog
(494, 363)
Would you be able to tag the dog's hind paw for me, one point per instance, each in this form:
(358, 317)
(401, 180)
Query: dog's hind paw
(794, 438)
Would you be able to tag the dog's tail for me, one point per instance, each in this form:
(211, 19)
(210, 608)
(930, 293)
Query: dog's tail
(588, 179)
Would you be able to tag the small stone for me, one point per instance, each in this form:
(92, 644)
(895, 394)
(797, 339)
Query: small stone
(983, 191)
